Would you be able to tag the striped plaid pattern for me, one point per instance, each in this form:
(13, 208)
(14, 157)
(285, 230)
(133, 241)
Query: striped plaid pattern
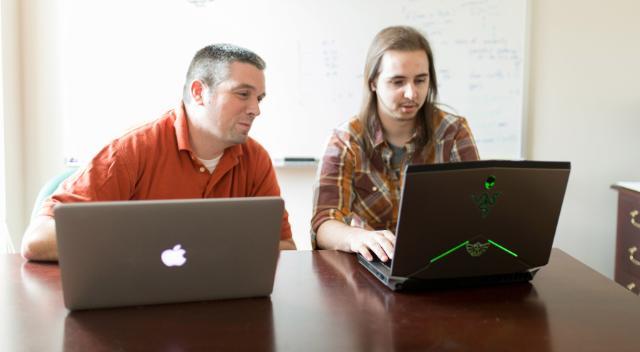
(365, 192)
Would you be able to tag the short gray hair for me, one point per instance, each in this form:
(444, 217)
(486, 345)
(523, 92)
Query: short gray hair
(211, 65)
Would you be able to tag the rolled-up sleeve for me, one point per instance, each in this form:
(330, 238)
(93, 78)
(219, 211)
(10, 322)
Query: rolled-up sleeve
(333, 189)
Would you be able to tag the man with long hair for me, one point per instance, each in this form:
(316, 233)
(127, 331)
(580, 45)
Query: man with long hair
(357, 194)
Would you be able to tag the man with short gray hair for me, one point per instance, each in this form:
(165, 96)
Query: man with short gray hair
(199, 150)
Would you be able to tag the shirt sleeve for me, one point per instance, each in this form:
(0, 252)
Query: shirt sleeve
(333, 189)
(106, 178)
(464, 146)
(266, 184)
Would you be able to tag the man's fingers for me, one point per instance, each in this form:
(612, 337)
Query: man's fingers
(378, 250)
(390, 236)
(388, 247)
(387, 241)
(365, 252)
(381, 243)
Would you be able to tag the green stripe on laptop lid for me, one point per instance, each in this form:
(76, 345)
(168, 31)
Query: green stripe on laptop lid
(450, 251)
(503, 248)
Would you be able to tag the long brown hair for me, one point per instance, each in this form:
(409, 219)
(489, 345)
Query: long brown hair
(401, 38)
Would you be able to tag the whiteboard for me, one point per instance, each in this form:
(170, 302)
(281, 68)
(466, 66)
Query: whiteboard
(124, 64)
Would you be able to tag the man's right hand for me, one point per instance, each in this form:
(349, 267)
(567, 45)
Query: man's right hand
(381, 243)
(333, 234)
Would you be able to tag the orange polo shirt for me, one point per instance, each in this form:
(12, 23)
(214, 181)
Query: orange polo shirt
(156, 161)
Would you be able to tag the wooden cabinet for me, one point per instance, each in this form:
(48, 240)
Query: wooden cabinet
(627, 270)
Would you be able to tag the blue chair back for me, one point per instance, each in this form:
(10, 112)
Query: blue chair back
(49, 188)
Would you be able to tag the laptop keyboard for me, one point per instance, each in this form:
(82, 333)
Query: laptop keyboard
(387, 263)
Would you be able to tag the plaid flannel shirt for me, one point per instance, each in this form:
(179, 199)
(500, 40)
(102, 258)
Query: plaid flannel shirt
(365, 192)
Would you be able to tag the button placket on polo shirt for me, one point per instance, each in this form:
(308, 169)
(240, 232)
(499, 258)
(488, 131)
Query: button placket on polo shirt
(202, 170)
(219, 178)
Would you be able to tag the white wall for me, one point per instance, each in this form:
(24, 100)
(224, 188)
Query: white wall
(41, 94)
(12, 118)
(584, 107)
(36, 148)
(297, 190)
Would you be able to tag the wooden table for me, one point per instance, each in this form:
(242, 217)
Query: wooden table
(324, 301)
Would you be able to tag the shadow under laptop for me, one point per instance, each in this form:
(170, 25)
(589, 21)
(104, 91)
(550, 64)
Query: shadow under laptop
(241, 324)
(450, 319)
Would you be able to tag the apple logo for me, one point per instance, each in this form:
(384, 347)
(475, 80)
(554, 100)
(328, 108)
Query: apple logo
(174, 256)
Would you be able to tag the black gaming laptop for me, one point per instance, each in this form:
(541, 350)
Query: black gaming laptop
(473, 223)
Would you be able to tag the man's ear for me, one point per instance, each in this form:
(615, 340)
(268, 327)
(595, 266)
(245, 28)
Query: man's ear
(198, 90)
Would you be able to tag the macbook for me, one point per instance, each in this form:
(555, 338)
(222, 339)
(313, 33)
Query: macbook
(114, 254)
(478, 222)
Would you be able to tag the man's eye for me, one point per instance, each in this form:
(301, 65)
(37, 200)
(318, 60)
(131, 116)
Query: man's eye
(397, 83)
(243, 94)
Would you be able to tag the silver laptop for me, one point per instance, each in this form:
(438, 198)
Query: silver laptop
(114, 254)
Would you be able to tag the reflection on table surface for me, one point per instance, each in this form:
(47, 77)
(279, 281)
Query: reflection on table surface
(244, 324)
(326, 301)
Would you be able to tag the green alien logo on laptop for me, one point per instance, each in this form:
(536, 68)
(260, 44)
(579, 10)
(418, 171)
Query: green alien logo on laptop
(486, 200)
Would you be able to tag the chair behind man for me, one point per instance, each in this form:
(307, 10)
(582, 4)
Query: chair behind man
(48, 188)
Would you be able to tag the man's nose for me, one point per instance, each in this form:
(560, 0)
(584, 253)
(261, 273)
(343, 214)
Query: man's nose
(254, 108)
(410, 91)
